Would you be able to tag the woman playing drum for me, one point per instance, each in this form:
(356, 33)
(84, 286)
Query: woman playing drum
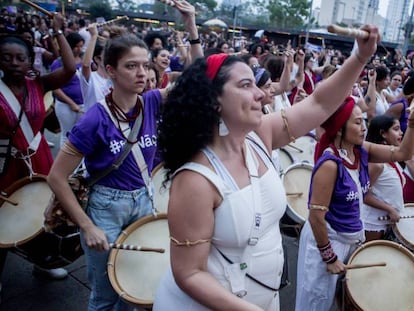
(122, 196)
(226, 198)
(385, 196)
(339, 183)
(25, 151)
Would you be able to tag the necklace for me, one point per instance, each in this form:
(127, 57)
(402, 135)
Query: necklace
(121, 116)
(342, 155)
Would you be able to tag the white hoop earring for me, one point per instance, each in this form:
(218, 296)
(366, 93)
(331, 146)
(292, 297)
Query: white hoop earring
(223, 130)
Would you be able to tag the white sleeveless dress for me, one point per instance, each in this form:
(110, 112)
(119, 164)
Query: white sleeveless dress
(248, 214)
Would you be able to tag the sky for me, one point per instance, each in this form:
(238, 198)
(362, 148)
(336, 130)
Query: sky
(383, 5)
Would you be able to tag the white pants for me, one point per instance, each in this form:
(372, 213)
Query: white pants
(315, 289)
(67, 119)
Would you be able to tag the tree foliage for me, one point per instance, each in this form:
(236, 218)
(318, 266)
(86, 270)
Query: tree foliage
(100, 8)
(288, 13)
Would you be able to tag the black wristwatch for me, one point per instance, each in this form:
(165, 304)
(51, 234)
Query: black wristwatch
(195, 41)
(57, 33)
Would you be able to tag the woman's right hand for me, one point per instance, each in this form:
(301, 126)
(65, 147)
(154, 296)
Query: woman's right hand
(367, 47)
(74, 107)
(58, 21)
(93, 29)
(336, 267)
(95, 238)
(394, 215)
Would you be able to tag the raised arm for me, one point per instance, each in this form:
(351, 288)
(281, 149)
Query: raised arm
(370, 96)
(278, 129)
(188, 16)
(283, 84)
(61, 76)
(88, 57)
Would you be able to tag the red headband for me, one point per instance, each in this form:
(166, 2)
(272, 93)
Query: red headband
(214, 63)
(333, 125)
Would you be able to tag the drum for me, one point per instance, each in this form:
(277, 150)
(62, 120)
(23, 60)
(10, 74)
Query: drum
(303, 149)
(404, 229)
(296, 181)
(21, 226)
(380, 288)
(135, 275)
(161, 193)
(284, 160)
(51, 121)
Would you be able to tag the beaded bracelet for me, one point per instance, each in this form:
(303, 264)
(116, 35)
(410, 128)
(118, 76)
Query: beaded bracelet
(327, 253)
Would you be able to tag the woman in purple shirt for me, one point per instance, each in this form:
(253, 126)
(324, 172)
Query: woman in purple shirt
(339, 182)
(121, 197)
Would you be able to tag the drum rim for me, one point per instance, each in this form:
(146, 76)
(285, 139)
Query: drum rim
(392, 244)
(113, 254)
(290, 211)
(398, 234)
(9, 191)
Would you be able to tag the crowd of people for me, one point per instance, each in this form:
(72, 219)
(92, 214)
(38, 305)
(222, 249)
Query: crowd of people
(214, 114)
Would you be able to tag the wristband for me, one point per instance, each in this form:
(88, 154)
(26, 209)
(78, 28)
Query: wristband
(57, 33)
(195, 41)
(327, 253)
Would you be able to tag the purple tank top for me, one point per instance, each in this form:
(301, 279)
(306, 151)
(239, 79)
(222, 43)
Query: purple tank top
(344, 212)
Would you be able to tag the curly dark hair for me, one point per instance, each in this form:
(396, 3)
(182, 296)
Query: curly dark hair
(191, 113)
(151, 36)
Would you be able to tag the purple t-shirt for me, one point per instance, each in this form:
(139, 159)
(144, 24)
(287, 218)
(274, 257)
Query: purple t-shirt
(344, 212)
(72, 88)
(96, 136)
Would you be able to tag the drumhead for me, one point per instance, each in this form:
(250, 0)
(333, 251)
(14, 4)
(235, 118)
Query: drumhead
(302, 149)
(296, 180)
(135, 275)
(161, 194)
(21, 223)
(48, 100)
(382, 288)
(404, 229)
(285, 160)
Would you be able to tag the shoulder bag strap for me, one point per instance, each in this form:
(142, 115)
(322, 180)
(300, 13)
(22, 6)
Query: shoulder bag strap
(127, 148)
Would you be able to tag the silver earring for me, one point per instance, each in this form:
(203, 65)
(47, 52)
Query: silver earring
(223, 130)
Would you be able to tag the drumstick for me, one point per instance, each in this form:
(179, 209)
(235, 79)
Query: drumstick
(294, 193)
(296, 148)
(350, 32)
(365, 265)
(38, 8)
(112, 21)
(6, 199)
(401, 217)
(129, 247)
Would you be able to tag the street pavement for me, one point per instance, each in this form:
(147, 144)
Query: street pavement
(22, 291)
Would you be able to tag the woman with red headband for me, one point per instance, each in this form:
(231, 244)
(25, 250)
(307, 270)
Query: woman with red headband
(226, 198)
(340, 180)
